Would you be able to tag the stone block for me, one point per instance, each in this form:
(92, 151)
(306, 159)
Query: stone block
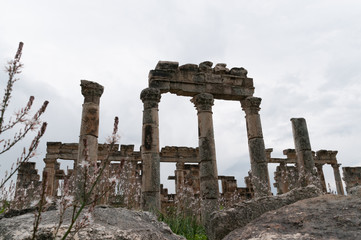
(238, 72)
(205, 66)
(167, 65)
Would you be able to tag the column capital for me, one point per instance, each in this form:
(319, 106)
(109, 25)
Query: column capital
(336, 165)
(50, 161)
(91, 91)
(203, 102)
(150, 97)
(251, 105)
(319, 165)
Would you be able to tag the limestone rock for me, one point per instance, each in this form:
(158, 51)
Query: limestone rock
(108, 223)
(223, 222)
(325, 217)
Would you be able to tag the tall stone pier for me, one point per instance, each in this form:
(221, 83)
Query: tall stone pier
(150, 150)
(207, 153)
(260, 177)
(89, 129)
(305, 162)
(338, 180)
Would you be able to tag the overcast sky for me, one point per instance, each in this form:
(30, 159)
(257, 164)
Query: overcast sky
(304, 57)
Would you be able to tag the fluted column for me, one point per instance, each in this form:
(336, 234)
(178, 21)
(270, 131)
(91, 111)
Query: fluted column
(260, 177)
(339, 185)
(150, 150)
(207, 153)
(89, 129)
(305, 162)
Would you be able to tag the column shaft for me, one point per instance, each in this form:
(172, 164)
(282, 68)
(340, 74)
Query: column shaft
(88, 138)
(322, 177)
(260, 177)
(50, 176)
(339, 185)
(305, 162)
(150, 150)
(207, 153)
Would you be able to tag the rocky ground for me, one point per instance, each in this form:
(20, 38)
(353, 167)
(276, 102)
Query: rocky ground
(300, 214)
(108, 223)
(327, 217)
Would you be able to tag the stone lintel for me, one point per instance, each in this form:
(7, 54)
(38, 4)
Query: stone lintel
(69, 151)
(190, 80)
(327, 156)
(179, 154)
(91, 91)
(281, 160)
(290, 153)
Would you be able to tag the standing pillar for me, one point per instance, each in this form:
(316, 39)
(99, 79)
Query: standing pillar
(150, 150)
(284, 177)
(207, 155)
(339, 186)
(89, 129)
(321, 176)
(50, 170)
(260, 177)
(179, 177)
(305, 162)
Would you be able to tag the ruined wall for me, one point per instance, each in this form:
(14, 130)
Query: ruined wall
(352, 177)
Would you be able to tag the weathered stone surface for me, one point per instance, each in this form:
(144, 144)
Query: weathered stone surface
(238, 72)
(300, 134)
(108, 223)
(179, 154)
(324, 217)
(223, 222)
(352, 177)
(167, 65)
(91, 91)
(190, 80)
(220, 68)
(150, 145)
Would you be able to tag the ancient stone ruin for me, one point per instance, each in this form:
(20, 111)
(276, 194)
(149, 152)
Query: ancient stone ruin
(196, 168)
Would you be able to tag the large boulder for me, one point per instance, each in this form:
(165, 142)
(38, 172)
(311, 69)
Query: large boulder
(224, 221)
(325, 217)
(107, 223)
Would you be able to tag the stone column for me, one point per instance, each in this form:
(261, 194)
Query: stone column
(305, 162)
(179, 177)
(207, 155)
(339, 186)
(150, 150)
(321, 176)
(260, 177)
(50, 169)
(89, 129)
(284, 177)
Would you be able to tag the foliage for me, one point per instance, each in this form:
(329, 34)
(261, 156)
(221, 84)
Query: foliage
(183, 224)
(21, 123)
